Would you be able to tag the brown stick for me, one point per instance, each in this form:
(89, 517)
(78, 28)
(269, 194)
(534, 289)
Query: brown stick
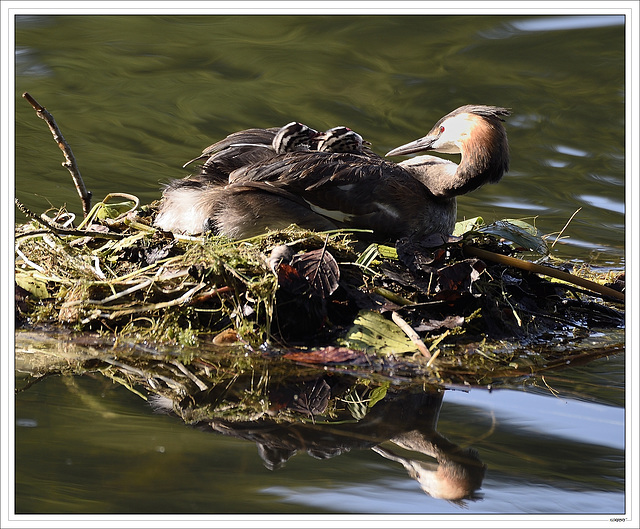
(413, 335)
(206, 296)
(70, 161)
(544, 270)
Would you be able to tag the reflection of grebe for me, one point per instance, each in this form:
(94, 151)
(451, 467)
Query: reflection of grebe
(327, 190)
(408, 420)
(457, 474)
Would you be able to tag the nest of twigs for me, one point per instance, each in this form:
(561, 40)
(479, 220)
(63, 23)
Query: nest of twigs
(325, 298)
(459, 306)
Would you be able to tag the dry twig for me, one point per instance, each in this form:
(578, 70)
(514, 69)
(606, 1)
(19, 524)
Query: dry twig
(544, 270)
(70, 161)
(565, 226)
(413, 335)
(59, 230)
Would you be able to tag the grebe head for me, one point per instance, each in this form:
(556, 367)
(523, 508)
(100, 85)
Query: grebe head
(293, 136)
(340, 139)
(469, 126)
(474, 131)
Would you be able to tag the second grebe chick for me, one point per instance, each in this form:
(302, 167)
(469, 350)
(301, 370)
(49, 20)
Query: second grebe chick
(339, 139)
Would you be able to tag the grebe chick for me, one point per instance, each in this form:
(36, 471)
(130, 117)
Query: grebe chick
(340, 139)
(291, 137)
(252, 146)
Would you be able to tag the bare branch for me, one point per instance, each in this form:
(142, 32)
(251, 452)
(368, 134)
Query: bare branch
(70, 161)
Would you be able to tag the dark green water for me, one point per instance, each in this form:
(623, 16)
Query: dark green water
(137, 96)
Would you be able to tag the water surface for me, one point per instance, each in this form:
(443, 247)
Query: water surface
(137, 96)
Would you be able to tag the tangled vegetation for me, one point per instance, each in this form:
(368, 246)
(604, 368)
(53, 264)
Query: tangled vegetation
(458, 309)
(324, 298)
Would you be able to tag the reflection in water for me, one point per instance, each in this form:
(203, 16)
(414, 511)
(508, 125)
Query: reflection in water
(603, 203)
(564, 23)
(287, 409)
(405, 419)
(27, 63)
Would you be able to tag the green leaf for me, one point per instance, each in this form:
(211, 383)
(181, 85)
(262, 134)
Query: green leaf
(127, 242)
(518, 232)
(368, 256)
(464, 226)
(36, 287)
(388, 252)
(374, 251)
(371, 330)
(378, 394)
(112, 211)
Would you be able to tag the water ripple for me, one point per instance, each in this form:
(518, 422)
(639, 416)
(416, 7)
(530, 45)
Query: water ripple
(603, 203)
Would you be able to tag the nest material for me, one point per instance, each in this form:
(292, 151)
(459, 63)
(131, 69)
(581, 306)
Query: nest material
(427, 300)
(150, 283)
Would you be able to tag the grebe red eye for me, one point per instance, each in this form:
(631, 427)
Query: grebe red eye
(441, 129)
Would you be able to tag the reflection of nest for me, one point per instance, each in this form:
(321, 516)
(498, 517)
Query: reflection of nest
(284, 413)
(286, 410)
(329, 415)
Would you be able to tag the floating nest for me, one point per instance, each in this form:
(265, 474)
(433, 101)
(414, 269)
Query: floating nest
(458, 309)
(430, 308)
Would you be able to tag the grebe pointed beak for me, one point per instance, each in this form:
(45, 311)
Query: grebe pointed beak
(422, 144)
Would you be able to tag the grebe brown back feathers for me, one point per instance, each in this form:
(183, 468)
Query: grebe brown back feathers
(181, 207)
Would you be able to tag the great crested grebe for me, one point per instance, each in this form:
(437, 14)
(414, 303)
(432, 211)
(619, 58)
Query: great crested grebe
(327, 190)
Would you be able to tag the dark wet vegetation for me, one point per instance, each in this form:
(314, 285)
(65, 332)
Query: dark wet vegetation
(430, 308)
